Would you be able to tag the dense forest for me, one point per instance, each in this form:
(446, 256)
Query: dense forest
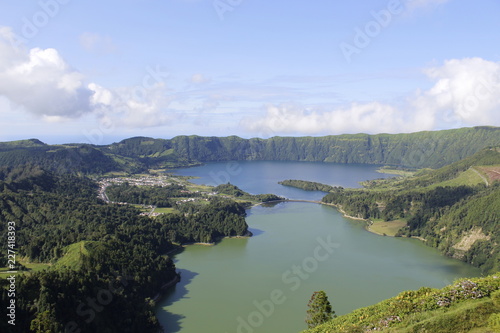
(150, 195)
(418, 150)
(105, 262)
(232, 190)
(415, 150)
(443, 207)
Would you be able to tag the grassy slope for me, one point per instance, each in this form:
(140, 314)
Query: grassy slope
(73, 254)
(456, 174)
(72, 259)
(385, 228)
(468, 305)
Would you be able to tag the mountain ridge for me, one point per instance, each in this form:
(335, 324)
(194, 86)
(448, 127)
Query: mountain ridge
(427, 149)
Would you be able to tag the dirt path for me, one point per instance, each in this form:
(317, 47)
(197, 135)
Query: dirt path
(480, 175)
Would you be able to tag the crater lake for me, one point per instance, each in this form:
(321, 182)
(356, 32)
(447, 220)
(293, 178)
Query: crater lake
(263, 283)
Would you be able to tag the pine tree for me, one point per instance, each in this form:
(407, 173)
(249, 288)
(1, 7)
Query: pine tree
(320, 309)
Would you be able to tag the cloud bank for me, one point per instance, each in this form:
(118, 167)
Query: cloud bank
(41, 81)
(465, 92)
(44, 85)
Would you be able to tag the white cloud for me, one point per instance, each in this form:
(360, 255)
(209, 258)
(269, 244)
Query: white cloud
(40, 80)
(466, 92)
(295, 119)
(130, 107)
(43, 84)
(96, 43)
(468, 89)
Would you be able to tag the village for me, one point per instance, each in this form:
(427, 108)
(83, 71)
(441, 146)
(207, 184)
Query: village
(149, 180)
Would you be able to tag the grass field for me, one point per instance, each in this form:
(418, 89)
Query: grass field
(141, 208)
(201, 188)
(165, 210)
(32, 267)
(469, 177)
(386, 228)
(492, 172)
(74, 252)
(395, 171)
(70, 259)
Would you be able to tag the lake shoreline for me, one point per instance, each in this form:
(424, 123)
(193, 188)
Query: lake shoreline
(176, 279)
(339, 208)
(247, 234)
(258, 261)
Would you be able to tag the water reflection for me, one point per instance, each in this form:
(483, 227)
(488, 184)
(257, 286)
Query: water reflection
(175, 294)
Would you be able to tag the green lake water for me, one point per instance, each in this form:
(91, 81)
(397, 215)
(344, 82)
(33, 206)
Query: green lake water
(263, 283)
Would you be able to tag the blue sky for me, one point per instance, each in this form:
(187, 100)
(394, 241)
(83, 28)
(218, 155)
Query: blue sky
(101, 71)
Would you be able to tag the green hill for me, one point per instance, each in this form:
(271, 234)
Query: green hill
(455, 208)
(74, 253)
(422, 149)
(416, 150)
(85, 159)
(468, 305)
(30, 143)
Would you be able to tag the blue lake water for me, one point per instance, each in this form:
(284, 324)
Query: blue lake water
(263, 283)
(257, 177)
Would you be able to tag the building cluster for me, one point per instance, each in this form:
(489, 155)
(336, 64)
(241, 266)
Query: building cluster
(146, 181)
(137, 181)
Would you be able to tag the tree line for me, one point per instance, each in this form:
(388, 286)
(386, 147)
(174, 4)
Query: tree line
(54, 211)
(442, 216)
(415, 150)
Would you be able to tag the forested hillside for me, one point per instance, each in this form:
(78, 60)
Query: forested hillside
(87, 245)
(418, 150)
(62, 159)
(103, 262)
(415, 150)
(455, 208)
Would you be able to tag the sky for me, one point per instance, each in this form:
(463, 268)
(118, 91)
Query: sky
(101, 71)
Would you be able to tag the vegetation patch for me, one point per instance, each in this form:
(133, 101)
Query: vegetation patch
(470, 238)
(25, 267)
(463, 306)
(308, 185)
(396, 171)
(470, 177)
(447, 207)
(164, 210)
(386, 228)
(74, 253)
(492, 172)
